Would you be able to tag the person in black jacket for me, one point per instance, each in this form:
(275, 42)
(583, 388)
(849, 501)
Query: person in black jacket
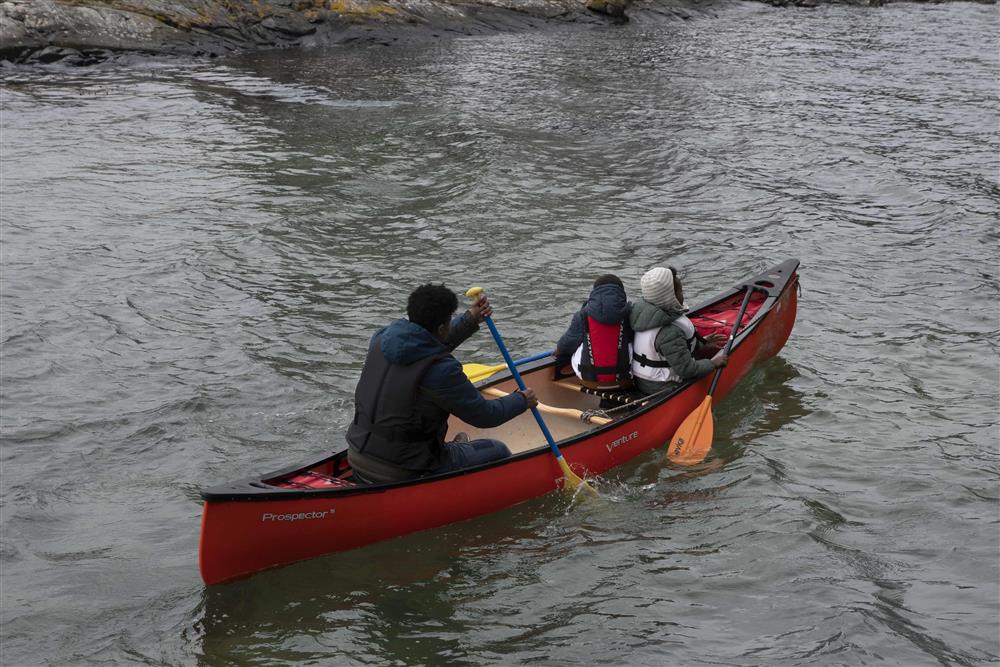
(409, 386)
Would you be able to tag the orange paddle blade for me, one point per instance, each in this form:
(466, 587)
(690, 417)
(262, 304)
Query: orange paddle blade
(693, 438)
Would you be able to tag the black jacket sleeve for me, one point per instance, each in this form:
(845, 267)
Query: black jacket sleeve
(451, 391)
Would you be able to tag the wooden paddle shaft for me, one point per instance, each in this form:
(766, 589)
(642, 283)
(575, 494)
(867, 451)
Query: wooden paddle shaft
(565, 412)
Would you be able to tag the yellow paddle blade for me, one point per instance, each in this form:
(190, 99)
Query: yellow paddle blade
(693, 438)
(477, 372)
(573, 481)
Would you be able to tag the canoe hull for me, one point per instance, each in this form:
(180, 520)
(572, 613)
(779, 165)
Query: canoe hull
(249, 525)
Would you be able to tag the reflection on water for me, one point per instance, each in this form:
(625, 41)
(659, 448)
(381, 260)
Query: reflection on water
(765, 402)
(375, 602)
(195, 254)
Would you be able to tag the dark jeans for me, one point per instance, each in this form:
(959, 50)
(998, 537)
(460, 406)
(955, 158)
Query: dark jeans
(467, 454)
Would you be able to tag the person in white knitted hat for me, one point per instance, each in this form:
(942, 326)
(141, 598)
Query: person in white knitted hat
(666, 343)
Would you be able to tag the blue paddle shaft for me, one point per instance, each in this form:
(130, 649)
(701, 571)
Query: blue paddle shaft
(520, 384)
(534, 357)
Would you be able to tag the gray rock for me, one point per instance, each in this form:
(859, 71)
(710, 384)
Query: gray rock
(613, 8)
(83, 30)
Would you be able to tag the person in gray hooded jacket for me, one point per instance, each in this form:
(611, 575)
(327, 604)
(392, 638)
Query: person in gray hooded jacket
(666, 344)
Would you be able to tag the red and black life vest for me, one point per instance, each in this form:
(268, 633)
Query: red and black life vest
(605, 360)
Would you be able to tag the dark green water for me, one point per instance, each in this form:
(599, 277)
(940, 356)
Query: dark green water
(195, 253)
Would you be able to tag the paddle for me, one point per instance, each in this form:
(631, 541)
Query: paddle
(693, 438)
(552, 410)
(572, 479)
(477, 372)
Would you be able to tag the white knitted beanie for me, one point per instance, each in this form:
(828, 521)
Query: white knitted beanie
(658, 289)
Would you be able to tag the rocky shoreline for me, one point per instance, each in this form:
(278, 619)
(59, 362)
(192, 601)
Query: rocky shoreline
(86, 31)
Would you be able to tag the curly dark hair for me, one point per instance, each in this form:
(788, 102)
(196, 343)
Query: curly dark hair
(431, 305)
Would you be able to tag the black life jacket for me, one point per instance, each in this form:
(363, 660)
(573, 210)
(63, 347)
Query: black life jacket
(387, 430)
(604, 360)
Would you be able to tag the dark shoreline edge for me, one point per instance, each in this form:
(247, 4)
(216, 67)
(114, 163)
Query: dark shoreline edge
(88, 31)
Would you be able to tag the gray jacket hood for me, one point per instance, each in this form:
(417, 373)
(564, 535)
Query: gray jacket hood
(645, 316)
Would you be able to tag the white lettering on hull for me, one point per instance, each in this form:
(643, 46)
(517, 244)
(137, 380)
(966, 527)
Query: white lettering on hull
(621, 441)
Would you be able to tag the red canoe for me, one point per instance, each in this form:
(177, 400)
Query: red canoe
(316, 508)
